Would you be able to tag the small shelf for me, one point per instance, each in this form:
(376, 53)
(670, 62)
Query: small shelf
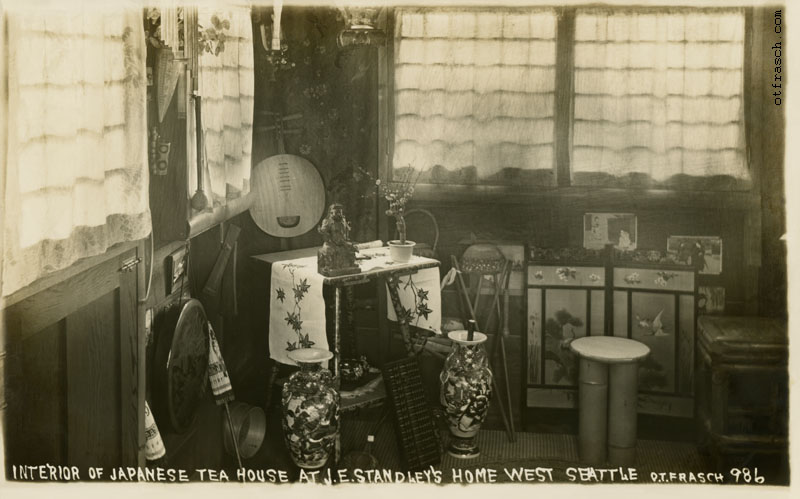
(369, 394)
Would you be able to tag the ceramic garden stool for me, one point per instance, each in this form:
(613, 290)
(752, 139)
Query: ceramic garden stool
(608, 398)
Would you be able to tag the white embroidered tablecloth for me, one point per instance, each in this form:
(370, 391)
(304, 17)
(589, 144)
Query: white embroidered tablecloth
(297, 308)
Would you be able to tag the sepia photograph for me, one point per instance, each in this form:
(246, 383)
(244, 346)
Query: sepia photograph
(377, 246)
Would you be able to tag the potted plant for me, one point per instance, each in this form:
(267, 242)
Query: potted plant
(397, 195)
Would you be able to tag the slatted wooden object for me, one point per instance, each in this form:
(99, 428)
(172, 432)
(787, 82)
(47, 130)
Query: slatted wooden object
(414, 425)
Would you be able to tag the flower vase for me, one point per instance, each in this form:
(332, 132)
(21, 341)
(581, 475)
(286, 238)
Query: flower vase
(310, 409)
(466, 391)
(401, 252)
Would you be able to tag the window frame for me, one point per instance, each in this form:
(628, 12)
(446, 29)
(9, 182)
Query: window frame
(563, 190)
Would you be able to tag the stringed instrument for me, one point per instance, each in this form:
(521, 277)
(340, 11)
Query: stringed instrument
(288, 192)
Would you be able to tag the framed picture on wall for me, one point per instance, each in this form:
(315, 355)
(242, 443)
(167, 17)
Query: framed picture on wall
(702, 252)
(618, 229)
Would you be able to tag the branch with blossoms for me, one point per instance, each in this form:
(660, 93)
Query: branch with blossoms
(397, 194)
(210, 39)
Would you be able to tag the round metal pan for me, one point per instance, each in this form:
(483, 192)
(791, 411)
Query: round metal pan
(181, 366)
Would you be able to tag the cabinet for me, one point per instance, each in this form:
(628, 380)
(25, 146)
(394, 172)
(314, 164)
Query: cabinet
(642, 295)
(74, 370)
(743, 386)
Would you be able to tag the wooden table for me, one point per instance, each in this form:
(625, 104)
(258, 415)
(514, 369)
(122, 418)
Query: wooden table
(607, 398)
(388, 275)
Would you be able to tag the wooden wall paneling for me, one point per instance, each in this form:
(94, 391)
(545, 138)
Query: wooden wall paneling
(58, 301)
(131, 364)
(40, 408)
(3, 401)
(12, 388)
(93, 383)
(766, 143)
(68, 368)
(60, 276)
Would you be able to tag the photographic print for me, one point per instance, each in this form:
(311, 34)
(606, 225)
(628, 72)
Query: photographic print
(618, 229)
(287, 190)
(702, 252)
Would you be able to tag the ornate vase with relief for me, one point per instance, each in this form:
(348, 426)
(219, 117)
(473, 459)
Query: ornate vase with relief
(466, 390)
(310, 409)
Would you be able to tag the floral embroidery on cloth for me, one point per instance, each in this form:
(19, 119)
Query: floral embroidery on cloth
(297, 309)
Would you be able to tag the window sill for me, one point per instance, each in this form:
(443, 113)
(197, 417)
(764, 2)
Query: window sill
(202, 221)
(78, 267)
(588, 197)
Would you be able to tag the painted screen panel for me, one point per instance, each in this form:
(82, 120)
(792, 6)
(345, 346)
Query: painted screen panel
(597, 313)
(621, 314)
(534, 343)
(565, 320)
(686, 345)
(653, 316)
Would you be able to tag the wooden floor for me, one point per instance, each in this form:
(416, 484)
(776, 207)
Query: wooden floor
(556, 451)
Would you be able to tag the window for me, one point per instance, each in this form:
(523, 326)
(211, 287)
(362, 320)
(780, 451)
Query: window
(658, 97)
(76, 181)
(654, 97)
(474, 95)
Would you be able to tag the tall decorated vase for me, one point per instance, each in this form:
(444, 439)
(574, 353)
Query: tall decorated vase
(310, 409)
(466, 391)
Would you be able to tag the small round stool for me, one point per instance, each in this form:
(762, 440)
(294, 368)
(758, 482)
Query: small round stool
(607, 398)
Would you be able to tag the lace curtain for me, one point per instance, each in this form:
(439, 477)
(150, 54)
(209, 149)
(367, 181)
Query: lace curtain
(226, 86)
(474, 95)
(76, 178)
(659, 97)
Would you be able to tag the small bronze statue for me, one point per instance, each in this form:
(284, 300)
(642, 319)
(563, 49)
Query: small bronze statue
(337, 255)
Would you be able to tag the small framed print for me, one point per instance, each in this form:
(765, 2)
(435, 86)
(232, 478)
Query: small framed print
(175, 270)
(618, 229)
(702, 252)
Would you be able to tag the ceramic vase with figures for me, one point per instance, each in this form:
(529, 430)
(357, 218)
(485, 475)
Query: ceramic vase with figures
(466, 391)
(310, 409)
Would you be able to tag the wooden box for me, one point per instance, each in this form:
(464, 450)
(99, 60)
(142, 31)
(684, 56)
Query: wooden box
(742, 385)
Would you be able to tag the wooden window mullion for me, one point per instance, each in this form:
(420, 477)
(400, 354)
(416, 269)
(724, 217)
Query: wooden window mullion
(563, 109)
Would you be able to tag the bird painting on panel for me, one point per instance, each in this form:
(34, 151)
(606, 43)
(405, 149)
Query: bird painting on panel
(654, 327)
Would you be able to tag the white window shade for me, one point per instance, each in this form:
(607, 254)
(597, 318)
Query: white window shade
(76, 180)
(226, 85)
(659, 99)
(474, 95)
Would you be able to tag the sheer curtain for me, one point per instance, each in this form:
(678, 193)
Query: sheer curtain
(474, 94)
(226, 86)
(658, 96)
(76, 178)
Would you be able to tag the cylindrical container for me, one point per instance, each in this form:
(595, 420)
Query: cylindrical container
(622, 401)
(310, 409)
(466, 391)
(249, 425)
(593, 416)
(401, 252)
